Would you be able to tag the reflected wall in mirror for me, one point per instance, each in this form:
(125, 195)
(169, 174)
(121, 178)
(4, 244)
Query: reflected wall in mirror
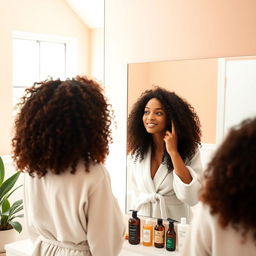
(221, 90)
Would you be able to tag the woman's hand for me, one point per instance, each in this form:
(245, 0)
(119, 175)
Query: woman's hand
(171, 141)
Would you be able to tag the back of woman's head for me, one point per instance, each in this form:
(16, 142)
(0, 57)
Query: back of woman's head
(230, 178)
(59, 124)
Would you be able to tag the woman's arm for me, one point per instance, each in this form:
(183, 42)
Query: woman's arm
(105, 222)
(186, 181)
(171, 142)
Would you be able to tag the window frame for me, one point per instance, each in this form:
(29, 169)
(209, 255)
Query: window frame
(70, 52)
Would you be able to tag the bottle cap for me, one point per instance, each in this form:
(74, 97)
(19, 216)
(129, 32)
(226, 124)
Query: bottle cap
(183, 220)
(160, 221)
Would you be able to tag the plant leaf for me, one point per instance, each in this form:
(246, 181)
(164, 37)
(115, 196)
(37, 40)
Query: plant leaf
(5, 205)
(4, 220)
(8, 184)
(15, 207)
(16, 225)
(9, 194)
(16, 216)
(2, 172)
(16, 210)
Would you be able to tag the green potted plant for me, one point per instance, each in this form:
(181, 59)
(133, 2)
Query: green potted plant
(8, 211)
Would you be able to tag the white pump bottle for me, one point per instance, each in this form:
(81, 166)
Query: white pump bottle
(182, 230)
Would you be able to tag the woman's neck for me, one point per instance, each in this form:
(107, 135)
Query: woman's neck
(158, 143)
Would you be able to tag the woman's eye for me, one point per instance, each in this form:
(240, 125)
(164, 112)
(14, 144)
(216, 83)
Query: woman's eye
(146, 112)
(159, 113)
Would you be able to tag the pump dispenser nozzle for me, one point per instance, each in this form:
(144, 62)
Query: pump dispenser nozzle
(134, 213)
(170, 222)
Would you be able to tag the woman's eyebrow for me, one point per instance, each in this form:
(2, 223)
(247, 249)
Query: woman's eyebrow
(155, 108)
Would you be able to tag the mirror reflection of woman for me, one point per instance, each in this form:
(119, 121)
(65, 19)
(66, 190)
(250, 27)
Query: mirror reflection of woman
(164, 164)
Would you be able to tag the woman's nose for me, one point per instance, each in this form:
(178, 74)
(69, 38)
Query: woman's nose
(151, 116)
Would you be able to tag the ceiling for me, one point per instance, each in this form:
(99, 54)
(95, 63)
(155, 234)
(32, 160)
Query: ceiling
(90, 11)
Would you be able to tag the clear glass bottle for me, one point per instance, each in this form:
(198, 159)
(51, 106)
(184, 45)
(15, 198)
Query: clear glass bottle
(147, 233)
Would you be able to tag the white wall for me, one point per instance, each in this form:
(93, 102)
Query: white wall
(97, 54)
(150, 30)
(50, 17)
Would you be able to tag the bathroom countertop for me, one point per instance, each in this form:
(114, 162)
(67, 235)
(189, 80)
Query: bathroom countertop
(140, 250)
(18, 248)
(24, 247)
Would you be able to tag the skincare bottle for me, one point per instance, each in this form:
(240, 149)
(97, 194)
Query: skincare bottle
(182, 230)
(134, 228)
(159, 232)
(147, 233)
(170, 237)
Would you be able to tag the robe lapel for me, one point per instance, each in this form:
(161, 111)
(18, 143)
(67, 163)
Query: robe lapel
(160, 176)
(147, 175)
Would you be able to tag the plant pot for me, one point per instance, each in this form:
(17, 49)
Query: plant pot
(6, 237)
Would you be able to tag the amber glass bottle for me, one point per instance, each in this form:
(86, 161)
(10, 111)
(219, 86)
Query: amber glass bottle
(134, 229)
(159, 232)
(170, 237)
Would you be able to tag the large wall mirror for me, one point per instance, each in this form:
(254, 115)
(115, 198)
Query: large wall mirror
(221, 90)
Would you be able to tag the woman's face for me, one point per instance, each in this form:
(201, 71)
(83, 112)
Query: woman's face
(154, 118)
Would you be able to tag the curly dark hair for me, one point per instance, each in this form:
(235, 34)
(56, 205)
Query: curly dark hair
(230, 179)
(186, 122)
(59, 124)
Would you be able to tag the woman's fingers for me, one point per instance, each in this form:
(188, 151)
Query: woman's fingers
(173, 128)
(168, 133)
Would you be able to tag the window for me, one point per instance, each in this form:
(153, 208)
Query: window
(38, 57)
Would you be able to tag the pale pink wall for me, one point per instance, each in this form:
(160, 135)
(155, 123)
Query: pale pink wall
(41, 17)
(193, 80)
(149, 30)
(138, 80)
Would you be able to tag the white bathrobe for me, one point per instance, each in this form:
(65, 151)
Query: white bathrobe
(73, 214)
(164, 196)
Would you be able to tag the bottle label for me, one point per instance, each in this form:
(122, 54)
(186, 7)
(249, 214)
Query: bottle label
(181, 238)
(133, 232)
(146, 235)
(159, 237)
(170, 243)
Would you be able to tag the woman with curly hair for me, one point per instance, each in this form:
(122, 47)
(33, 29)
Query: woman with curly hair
(60, 143)
(224, 223)
(164, 160)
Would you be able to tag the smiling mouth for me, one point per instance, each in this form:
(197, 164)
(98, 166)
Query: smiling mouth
(150, 125)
